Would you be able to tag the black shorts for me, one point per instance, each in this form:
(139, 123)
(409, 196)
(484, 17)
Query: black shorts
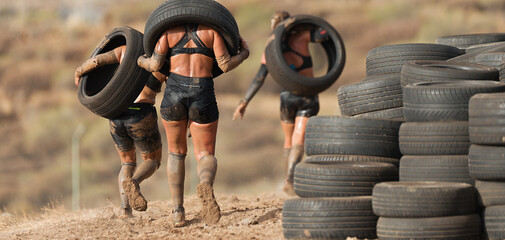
(138, 125)
(293, 106)
(189, 98)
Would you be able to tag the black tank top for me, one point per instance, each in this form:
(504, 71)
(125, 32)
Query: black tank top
(190, 34)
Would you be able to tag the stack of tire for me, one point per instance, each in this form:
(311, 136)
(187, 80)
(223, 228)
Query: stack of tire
(434, 139)
(426, 210)
(379, 95)
(486, 159)
(346, 158)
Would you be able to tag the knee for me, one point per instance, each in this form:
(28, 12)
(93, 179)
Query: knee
(204, 154)
(154, 157)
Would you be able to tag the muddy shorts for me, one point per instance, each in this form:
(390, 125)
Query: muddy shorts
(293, 106)
(139, 126)
(189, 98)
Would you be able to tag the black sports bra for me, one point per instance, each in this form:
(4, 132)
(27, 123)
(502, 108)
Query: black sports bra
(190, 34)
(307, 60)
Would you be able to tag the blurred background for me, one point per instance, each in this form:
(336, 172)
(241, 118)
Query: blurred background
(42, 42)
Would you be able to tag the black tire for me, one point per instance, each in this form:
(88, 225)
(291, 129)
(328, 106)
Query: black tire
(486, 113)
(206, 12)
(110, 90)
(443, 101)
(487, 162)
(502, 72)
(493, 60)
(290, 79)
(490, 193)
(369, 96)
(494, 222)
(391, 114)
(423, 199)
(479, 47)
(350, 158)
(334, 135)
(390, 59)
(470, 55)
(434, 138)
(328, 218)
(341, 180)
(465, 227)
(467, 40)
(448, 168)
(438, 71)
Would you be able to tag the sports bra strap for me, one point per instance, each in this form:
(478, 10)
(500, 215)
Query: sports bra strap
(306, 60)
(191, 34)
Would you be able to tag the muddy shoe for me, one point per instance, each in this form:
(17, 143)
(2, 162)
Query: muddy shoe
(135, 198)
(211, 213)
(289, 188)
(179, 217)
(125, 213)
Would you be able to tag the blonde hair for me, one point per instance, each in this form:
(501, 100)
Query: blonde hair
(281, 15)
(278, 17)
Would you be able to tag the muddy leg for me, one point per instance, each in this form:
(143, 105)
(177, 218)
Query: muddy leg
(207, 167)
(176, 174)
(295, 156)
(286, 155)
(151, 163)
(125, 172)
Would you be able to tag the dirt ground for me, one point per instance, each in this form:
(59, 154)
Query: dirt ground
(243, 217)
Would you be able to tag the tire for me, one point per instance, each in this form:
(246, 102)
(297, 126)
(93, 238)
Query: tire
(479, 47)
(493, 60)
(448, 168)
(350, 158)
(486, 118)
(487, 162)
(328, 218)
(206, 12)
(289, 79)
(369, 96)
(465, 227)
(438, 71)
(502, 72)
(110, 90)
(470, 55)
(391, 114)
(443, 101)
(494, 222)
(490, 193)
(341, 180)
(423, 199)
(334, 135)
(467, 40)
(390, 59)
(434, 138)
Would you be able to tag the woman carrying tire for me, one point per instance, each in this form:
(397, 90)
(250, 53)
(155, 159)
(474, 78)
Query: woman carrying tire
(189, 100)
(137, 126)
(295, 109)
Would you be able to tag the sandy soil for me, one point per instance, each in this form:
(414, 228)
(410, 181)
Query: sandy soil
(243, 217)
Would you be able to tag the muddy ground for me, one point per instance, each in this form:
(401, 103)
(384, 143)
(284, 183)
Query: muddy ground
(243, 217)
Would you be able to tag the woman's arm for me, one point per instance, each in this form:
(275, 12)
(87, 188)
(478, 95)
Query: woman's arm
(224, 60)
(111, 57)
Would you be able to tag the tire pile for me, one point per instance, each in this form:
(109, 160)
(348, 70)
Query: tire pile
(486, 159)
(335, 182)
(428, 86)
